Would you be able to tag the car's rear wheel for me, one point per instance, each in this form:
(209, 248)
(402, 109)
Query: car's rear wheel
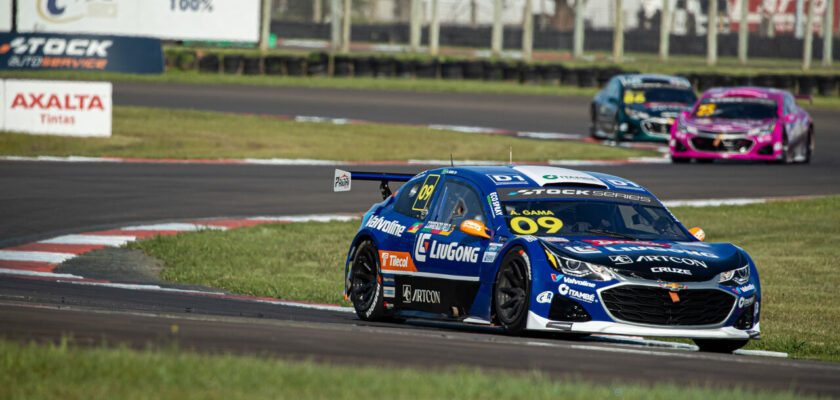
(809, 146)
(366, 283)
(720, 345)
(512, 292)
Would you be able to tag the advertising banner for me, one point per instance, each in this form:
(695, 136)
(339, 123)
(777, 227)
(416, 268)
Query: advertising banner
(216, 20)
(80, 52)
(57, 107)
(5, 15)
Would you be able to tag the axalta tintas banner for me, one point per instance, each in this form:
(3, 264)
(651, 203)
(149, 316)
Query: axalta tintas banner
(80, 52)
(57, 107)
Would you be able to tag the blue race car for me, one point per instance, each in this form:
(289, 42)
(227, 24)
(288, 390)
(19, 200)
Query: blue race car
(547, 249)
(640, 107)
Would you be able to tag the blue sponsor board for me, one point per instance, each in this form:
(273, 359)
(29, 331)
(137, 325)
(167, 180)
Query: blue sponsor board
(47, 51)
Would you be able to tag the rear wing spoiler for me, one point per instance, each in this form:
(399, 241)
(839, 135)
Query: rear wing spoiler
(804, 97)
(342, 180)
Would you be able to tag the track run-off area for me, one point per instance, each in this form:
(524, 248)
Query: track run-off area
(42, 200)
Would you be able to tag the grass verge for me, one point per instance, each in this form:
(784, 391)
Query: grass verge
(425, 85)
(791, 242)
(163, 133)
(68, 372)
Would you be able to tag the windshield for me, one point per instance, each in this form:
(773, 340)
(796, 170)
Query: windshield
(591, 218)
(736, 108)
(659, 95)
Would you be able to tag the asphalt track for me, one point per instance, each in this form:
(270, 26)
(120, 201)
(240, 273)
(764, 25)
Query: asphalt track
(43, 199)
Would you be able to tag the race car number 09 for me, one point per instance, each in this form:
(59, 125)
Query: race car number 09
(528, 226)
(425, 193)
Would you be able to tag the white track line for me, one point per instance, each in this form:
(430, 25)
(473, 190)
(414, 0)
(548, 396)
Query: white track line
(24, 272)
(180, 227)
(109, 240)
(35, 256)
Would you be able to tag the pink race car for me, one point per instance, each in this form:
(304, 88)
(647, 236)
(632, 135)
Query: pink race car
(744, 123)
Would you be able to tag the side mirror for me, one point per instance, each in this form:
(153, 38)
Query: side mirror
(698, 233)
(789, 118)
(476, 228)
(685, 114)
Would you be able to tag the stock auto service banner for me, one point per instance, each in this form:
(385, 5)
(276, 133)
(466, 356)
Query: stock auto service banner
(216, 20)
(80, 52)
(56, 107)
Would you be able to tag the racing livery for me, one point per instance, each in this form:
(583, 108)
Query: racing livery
(549, 249)
(640, 107)
(744, 123)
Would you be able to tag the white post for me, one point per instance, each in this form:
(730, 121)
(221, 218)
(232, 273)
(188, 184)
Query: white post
(578, 35)
(496, 39)
(317, 6)
(618, 34)
(743, 33)
(527, 31)
(335, 24)
(415, 26)
(828, 34)
(809, 37)
(345, 27)
(665, 30)
(797, 21)
(434, 30)
(265, 25)
(711, 34)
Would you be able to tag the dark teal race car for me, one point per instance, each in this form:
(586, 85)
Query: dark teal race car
(640, 107)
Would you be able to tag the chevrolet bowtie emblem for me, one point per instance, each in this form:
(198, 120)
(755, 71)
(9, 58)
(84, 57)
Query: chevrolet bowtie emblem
(675, 287)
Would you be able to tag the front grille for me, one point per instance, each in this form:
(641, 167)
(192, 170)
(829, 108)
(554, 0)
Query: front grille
(738, 145)
(654, 306)
(656, 127)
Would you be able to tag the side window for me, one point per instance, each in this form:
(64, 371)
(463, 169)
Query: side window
(790, 105)
(459, 202)
(416, 197)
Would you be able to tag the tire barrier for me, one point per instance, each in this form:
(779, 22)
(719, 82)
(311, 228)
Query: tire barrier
(319, 64)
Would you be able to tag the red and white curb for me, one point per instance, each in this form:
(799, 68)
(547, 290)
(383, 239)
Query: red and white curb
(38, 260)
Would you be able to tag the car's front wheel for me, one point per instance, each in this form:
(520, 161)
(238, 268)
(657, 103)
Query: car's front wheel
(365, 283)
(720, 345)
(512, 292)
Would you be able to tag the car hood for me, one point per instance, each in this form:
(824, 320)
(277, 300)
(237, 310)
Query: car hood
(660, 260)
(724, 125)
(664, 109)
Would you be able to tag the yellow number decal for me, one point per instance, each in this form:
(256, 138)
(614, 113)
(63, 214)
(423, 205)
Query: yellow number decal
(528, 226)
(425, 194)
(516, 225)
(705, 110)
(551, 224)
(631, 97)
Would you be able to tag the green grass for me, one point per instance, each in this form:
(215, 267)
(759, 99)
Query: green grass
(162, 133)
(793, 245)
(68, 372)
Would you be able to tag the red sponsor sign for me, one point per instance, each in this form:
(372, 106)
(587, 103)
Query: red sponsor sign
(782, 12)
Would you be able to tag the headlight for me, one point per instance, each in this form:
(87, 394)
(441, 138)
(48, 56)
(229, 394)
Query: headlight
(764, 130)
(635, 114)
(736, 277)
(682, 127)
(579, 269)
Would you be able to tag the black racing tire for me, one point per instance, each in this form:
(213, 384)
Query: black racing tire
(705, 160)
(616, 132)
(787, 152)
(720, 345)
(366, 283)
(512, 292)
(680, 160)
(809, 146)
(593, 129)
